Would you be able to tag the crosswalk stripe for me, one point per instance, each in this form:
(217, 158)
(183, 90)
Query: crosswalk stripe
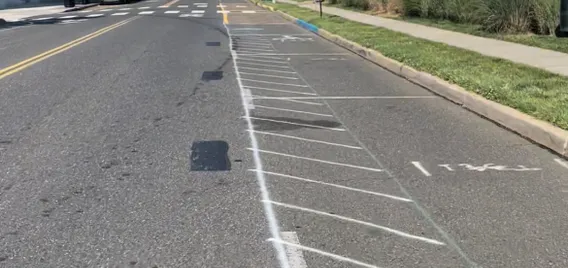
(85, 11)
(126, 8)
(119, 14)
(143, 7)
(68, 17)
(198, 11)
(249, 11)
(191, 15)
(223, 11)
(183, 6)
(105, 10)
(146, 13)
(172, 12)
(200, 4)
(163, 7)
(40, 19)
(95, 15)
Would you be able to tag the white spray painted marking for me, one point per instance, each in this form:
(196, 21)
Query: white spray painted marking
(562, 163)
(125, 9)
(68, 17)
(274, 71)
(146, 13)
(292, 38)
(269, 75)
(269, 212)
(72, 21)
(491, 166)
(85, 11)
(105, 10)
(249, 11)
(95, 15)
(248, 99)
(183, 6)
(251, 44)
(321, 161)
(171, 12)
(309, 140)
(143, 7)
(163, 6)
(293, 111)
(280, 90)
(40, 19)
(198, 11)
(380, 227)
(398, 198)
(324, 253)
(419, 166)
(252, 49)
(274, 83)
(447, 166)
(191, 15)
(298, 124)
(119, 14)
(295, 254)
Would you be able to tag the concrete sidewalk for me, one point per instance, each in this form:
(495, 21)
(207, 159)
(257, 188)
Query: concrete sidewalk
(552, 61)
(17, 14)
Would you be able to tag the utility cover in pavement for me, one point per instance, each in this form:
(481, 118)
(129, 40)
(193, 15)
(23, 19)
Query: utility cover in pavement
(210, 156)
(212, 75)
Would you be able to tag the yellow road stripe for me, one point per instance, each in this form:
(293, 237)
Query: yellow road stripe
(26, 63)
(225, 16)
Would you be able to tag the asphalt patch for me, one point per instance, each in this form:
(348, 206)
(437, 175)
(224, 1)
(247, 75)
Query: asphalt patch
(210, 156)
(212, 75)
(213, 44)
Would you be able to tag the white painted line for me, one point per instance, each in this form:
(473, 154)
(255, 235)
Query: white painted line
(240, 6)
(105, 10)
(319, 160)
(353, 97)
(95, 15)
(163, 6)
(562, 163)
(268, 210)
(119, 14)
(191, 15)
(183, 6)
(223, 11)
(198, 11)
(68, 17)
(125, 9)
(143, 7)
(45, 18)
(202, 4)
(263, 61)
(297, 124)
(281, 90)
(384, 228)
(247, 29)
(419, 166)
(265, 65)
(171, 12)
(146, 13)
(257, 34)
(305, 102)
(398, 198)
(253, 45)
(303, 54)
(293, 111)
(294, 254)
(85, 11)
(269, 70)
(251, 49)
(274, 83)
(269, 75)
(263, 57)
(304, 139)
(249, 11)
(324, 253)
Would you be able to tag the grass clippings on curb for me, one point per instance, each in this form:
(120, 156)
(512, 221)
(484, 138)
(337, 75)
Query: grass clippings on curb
(530, 90)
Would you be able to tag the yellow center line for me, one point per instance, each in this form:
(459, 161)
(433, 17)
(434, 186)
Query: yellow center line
(171, 3)
(33, 60)
(225, 16)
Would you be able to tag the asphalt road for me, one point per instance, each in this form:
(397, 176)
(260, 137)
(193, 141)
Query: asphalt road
(172, 139)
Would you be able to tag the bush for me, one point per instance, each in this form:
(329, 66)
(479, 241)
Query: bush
(359, 4)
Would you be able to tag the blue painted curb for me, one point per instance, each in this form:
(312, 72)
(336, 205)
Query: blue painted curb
(308, 26)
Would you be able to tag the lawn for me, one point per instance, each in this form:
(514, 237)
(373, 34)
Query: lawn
(533, 91)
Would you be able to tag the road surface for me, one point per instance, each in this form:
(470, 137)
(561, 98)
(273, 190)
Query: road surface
(217, 134)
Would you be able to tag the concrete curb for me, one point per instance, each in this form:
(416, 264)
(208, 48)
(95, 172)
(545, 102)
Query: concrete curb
(81, 7)
(538, 131)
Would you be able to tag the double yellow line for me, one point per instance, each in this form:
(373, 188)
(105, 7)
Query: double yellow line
(33, 60)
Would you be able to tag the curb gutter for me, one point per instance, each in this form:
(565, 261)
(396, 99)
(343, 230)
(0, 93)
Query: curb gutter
(538, 131)
(81, 7)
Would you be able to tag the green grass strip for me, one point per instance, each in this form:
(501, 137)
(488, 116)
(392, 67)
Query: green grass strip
(533, 91)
